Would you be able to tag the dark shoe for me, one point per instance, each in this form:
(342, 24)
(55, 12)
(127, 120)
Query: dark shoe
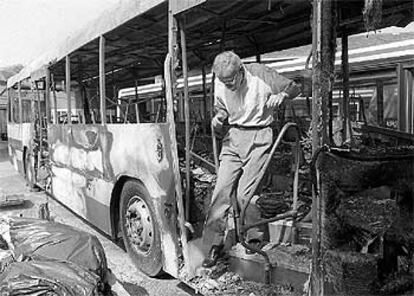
(256, 243)
(212, 257)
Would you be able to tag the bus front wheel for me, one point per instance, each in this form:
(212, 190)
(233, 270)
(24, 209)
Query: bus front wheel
(140, 229)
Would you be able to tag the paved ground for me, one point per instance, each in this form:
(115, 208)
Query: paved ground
(131, 280)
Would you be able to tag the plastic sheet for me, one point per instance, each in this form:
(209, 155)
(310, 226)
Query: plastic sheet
(37, 239)
(48, 277)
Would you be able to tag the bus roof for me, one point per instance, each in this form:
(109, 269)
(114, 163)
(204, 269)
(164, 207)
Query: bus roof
(136, 34)
(110, 19)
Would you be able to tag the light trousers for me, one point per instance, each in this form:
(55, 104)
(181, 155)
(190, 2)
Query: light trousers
(243, 154)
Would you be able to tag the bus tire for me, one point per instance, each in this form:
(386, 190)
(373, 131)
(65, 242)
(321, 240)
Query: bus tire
(140, 229)
(29, 171)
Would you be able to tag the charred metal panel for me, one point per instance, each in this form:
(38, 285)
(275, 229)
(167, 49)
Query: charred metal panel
(363, 200)
(87, 161)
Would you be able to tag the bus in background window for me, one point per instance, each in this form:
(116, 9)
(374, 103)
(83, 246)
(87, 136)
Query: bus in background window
(20, 127)
(374, 69)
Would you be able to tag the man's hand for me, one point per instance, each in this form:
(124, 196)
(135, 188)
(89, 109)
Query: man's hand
(275, 100)
(218, 121)
(216, 124)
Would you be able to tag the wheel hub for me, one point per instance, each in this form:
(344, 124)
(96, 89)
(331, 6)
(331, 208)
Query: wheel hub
(139, 224)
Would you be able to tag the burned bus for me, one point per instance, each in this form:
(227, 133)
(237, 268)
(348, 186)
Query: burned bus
(126, 165)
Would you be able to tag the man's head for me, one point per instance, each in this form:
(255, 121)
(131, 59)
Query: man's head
(229, 69)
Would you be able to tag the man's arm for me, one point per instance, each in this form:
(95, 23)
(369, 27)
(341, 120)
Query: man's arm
(220, 113)
(282, 87)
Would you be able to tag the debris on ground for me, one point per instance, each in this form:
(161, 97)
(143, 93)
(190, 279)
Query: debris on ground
(276, 194)
(219, 281)
(396, 284)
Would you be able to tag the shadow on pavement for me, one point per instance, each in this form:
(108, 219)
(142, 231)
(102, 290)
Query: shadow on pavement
(165, 276)
(26, 205)
(134, 289)
(187, 289)
(4, 154)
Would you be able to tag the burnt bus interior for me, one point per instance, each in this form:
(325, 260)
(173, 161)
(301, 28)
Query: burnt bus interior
(134, 56)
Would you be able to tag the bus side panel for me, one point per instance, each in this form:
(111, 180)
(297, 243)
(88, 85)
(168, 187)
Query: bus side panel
(19, 136)
(144, 151)
(87, 160)
(78, 177)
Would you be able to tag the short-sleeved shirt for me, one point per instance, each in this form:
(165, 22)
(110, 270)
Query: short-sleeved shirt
(246, 106)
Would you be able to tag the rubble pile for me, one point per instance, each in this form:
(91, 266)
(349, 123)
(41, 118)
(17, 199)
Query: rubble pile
(221, 282)
(397, 284)
(276, 194)
(202, 185)
(204, 182)
(278, 185)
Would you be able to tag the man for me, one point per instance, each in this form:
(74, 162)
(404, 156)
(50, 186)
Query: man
(245, 95)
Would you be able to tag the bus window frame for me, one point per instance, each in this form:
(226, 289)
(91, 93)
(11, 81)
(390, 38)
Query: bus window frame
(68, 91)
(9, 107)
(19, 87)
(102, 86)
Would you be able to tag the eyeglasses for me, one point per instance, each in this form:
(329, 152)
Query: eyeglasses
(231, 81)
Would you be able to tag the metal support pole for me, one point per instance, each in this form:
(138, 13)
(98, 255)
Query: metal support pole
(136, 102)
(330, 118)
(172, 37)
(102, 94)
(316, 285)
(186, 118)
(203, 73)
(345, 82)
(380, 102)
(85, 103)
(169, 93)
(55, 114)
(40, 126)
(213, 79)
(68, 98)
(9, 106)
(47, 96)
(323, 57)
(402, 117)
(19, 90)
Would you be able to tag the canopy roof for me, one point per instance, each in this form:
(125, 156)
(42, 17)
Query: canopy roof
(136, 34)
(126, 13)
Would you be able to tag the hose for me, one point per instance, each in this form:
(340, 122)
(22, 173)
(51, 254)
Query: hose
(243, 228)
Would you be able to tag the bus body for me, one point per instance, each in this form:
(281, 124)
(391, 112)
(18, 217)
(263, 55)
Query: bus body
(89, 161)
(86, 165)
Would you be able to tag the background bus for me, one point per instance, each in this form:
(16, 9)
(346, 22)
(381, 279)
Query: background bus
(374, 62)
